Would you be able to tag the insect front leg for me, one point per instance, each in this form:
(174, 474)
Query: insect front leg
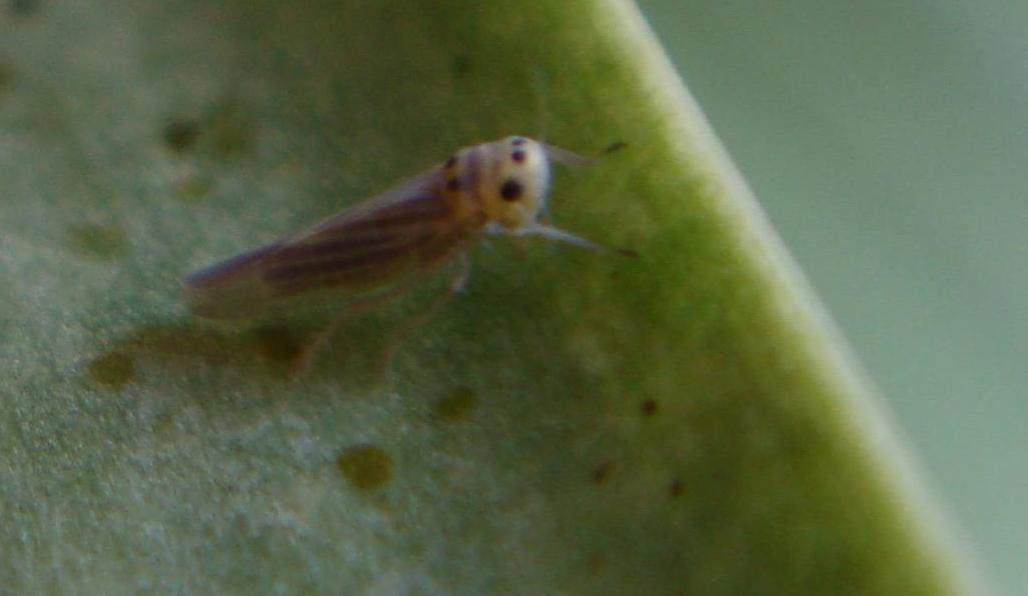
(539, 229)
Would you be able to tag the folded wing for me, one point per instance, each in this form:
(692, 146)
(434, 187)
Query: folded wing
(361, 249)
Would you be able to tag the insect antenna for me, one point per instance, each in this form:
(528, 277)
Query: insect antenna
(541, 108)
(570, 158)
(554, 153)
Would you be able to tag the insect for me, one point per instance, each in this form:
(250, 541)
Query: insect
(380, 248)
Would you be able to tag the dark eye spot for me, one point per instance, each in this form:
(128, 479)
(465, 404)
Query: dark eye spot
(450, 162)
(518, 141)
(518, 155)
(511, 190)
(453, 184)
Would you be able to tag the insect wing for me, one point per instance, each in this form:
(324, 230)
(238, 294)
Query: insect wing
(360, 249)
(231, 288)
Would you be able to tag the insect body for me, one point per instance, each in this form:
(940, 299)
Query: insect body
(377, 249)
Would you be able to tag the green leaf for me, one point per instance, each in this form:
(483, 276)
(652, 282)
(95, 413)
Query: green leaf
(683, 422)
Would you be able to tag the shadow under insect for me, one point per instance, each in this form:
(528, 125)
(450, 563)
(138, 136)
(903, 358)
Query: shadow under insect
(262, 349)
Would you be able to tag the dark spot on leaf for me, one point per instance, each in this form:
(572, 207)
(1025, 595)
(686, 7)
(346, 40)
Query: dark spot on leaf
(617, 146)
(23, 8)
(113, 370)
(278, 344)
(602, 472)
(180, 135)
(511, 190)
(6, 77)
(165, 426)
(649, 407)
(95, 240)
(676, 488)
(193, 189)
(462, 65)
(231, 128)
(457, 405)
(366, 467)
(596, 563)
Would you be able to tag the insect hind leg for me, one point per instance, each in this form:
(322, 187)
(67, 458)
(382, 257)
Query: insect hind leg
(455, 284)
(303, 361)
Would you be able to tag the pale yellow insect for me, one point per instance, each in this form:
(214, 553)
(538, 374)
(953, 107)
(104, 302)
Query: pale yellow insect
(381, 247)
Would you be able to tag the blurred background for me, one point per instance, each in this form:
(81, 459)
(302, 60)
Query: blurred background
(888, 142)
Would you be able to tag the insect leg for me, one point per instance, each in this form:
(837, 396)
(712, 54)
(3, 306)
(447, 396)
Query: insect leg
(453, 286)
(302, 362)
(539, 229)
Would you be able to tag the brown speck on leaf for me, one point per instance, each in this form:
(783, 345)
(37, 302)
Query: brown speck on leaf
(23, 8)
(6, 76)
(95, 240)
(366, 467)
(180, 135)
(457, 405)
(113, 370)
(462, 65)
(193, 189)
(602, 472)
(596, 563)
(649, 407)
(231, 128)
(616, 146)
(676, 488)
